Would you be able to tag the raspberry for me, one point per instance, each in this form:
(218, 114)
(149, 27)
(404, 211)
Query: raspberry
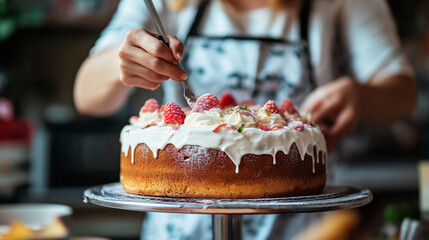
(206, 102)
(173, 114)
(271, 105)
(296, 125)
(287, 106)
(227, 100)
(151, 105)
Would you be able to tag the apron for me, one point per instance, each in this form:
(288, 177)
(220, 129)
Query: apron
(260, 69)
(255, 68)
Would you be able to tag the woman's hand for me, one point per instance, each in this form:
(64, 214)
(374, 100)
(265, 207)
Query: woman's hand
(146, 62)
(335, 106)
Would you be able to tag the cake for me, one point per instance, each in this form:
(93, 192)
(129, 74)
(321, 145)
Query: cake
(219, 150)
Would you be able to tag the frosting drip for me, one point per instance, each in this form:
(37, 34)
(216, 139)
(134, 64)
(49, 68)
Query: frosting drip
(235, 144)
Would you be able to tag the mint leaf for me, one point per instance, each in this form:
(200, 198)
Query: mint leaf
(244, 108)
(240, 129)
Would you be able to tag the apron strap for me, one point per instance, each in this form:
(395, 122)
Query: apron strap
(304, 17)
(193, 31)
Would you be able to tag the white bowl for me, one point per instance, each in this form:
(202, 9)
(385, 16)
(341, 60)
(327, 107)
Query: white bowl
(35, 216)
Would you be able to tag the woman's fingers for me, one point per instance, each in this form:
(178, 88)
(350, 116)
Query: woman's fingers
(137, 70)
(151, 44)
(313, 101)
(344, 123)
(176, 47)
(162, 67)
(327, 109)
(157, 65)
(137, 81)
(143, 56)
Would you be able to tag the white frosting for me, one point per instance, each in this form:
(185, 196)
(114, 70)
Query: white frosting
(213, 116)
(269, 119)
(147, 118)
(238, 118)
(235, 144)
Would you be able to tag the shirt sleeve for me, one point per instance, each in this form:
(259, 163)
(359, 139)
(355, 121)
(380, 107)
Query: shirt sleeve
(371, 40)
(129, 15)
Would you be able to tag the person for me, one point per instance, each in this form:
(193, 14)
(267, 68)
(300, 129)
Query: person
(340, 60)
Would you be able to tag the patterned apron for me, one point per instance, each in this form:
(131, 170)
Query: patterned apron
(255, 68)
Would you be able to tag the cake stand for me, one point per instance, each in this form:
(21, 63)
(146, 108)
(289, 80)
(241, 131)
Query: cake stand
(227, 213)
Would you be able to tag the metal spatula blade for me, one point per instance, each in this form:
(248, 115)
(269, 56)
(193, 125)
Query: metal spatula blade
(187, 92)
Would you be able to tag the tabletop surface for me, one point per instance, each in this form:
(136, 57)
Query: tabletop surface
(332, 198)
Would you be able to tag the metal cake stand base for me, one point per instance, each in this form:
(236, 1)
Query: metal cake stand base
(227, 213)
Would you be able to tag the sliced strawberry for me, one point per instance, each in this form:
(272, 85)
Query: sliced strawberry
(206, 102)
(173, 114)
(264, 127)
(151, 105)
(287, 106)
(225, 125)
(227, 100)
(276, 127)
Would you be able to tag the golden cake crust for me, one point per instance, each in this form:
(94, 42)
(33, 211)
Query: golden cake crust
(195, 171)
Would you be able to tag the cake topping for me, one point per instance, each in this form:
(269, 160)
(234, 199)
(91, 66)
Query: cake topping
(270, 114)
(206, 102)
(274, 127)
(238, 116)
(271, 106)
(210, 117)
(227, 100)
(225, 125)
(296, 125)
(173, 114)
(150, 114)
(287, 106)
(151, 105)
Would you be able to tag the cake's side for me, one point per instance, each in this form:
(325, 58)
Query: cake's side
(194, 171)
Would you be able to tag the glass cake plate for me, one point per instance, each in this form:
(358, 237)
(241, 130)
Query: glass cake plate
(332, 198)
(227, 213)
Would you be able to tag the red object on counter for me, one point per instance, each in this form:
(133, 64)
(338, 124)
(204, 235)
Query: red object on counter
(11, 129)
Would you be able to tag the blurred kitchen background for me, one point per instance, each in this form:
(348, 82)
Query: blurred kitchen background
(50, 154)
